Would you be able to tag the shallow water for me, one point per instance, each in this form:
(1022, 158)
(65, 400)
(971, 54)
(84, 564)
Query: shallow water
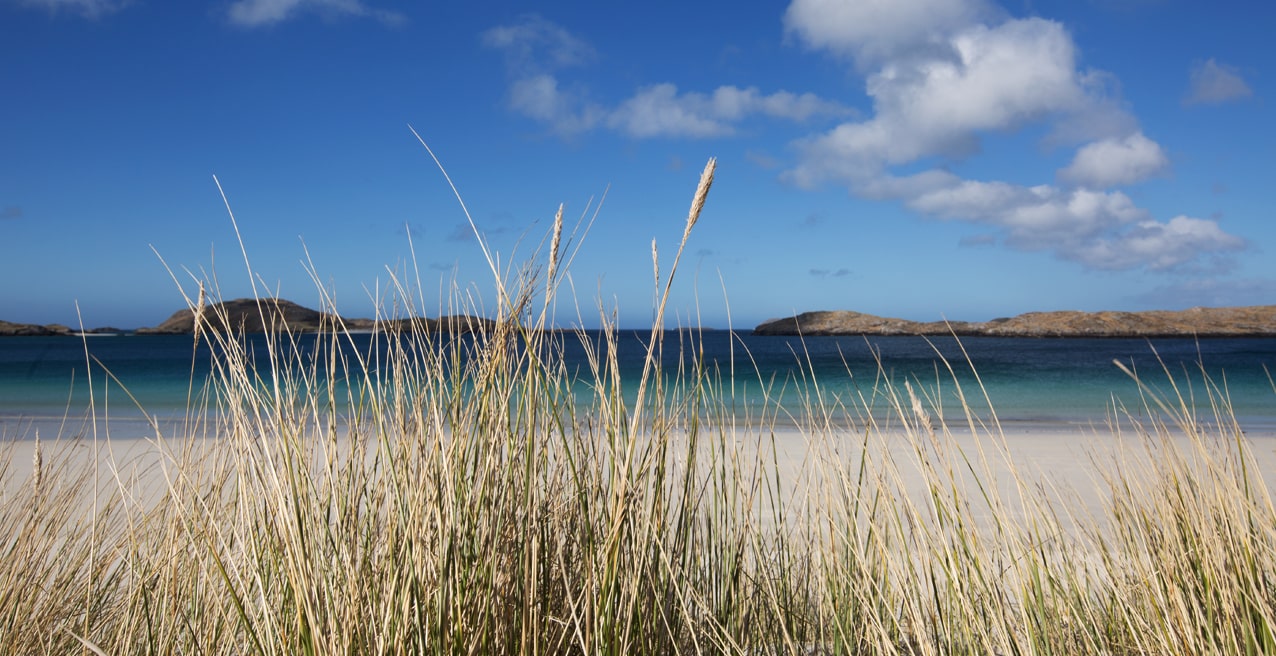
(1047, 382)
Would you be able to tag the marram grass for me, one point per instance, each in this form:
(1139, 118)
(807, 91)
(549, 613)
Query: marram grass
(468, 498)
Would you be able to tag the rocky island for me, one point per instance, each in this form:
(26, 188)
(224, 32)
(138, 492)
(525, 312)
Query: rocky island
(246, 315)
(1252, 321)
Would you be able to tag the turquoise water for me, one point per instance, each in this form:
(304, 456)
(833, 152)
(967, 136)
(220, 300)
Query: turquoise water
(1049, 381)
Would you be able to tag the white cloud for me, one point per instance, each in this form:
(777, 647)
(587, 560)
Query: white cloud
(1173, 246)
(567, 113)
(661, 111)
(943, 73)
(1115, 162)
(874, 30)
(259, 13)
(1001, 78)
(1212, 83)
(536, 49)
(535, 44)
(1034, 218)
(1098, 229)
(83, 8)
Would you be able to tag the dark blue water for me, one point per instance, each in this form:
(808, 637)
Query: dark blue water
(1036, 380)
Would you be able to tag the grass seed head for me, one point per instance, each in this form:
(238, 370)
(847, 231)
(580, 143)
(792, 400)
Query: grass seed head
(702, 192)
(37, 465)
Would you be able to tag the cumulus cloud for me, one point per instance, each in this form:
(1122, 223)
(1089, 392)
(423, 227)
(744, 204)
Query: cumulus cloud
(536, 50)
(942, 74)
(82, 8)
(261, 13)
(1115, 162)
(873, 31)
(1212, 83)
(998, 78)
(1176, 245)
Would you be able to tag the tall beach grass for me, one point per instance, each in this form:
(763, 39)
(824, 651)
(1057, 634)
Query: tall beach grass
(457, 493)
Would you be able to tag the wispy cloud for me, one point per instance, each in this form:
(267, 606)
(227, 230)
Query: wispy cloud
(411, 230)
(262, 13)
(977, 241)
(464, 232)
(762, 159)
(941, 74)
(11, 212)
(812, 220)
(830, 273)
(1208, 292)
(535, 45)
(461, 232)
(661, 111)
(537, 50)
(83, 8)
(1212, 83)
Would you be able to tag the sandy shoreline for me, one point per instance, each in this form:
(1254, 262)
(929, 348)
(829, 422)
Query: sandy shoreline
(1068, 462)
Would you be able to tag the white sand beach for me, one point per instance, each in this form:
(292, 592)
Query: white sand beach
(1065, 464)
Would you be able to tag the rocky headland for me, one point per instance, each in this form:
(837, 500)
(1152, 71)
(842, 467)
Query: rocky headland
(10, 329)
(1253, 321)
(246, 315)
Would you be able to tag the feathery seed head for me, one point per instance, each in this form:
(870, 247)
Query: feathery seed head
(37, 464)
(655, 262)
(554, 243)
(702, 192)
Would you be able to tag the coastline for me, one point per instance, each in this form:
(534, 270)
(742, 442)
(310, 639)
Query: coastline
(1067, 463)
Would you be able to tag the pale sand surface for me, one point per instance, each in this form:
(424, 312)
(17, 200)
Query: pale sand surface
(1066, 466)
(1066, 462)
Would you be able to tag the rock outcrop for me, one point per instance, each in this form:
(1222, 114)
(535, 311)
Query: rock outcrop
(244, 315)
(247, 316)
(1254, 321)
(9, 329)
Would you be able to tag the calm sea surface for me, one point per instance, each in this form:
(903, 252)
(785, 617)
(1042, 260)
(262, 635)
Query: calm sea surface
(1047, 381)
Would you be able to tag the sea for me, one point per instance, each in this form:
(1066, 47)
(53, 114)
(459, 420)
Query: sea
(53, 385)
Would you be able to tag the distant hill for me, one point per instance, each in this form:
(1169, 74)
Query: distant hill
(246, 315)
(1253, 321)
(8, 328)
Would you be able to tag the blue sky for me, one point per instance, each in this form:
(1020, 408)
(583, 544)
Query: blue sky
(914, 158)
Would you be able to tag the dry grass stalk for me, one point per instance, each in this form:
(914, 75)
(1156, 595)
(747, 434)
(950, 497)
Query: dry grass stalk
(37, 465)
(420, 493)
(553, 250)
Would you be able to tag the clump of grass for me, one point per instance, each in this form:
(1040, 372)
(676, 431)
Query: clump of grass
(464, 492)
